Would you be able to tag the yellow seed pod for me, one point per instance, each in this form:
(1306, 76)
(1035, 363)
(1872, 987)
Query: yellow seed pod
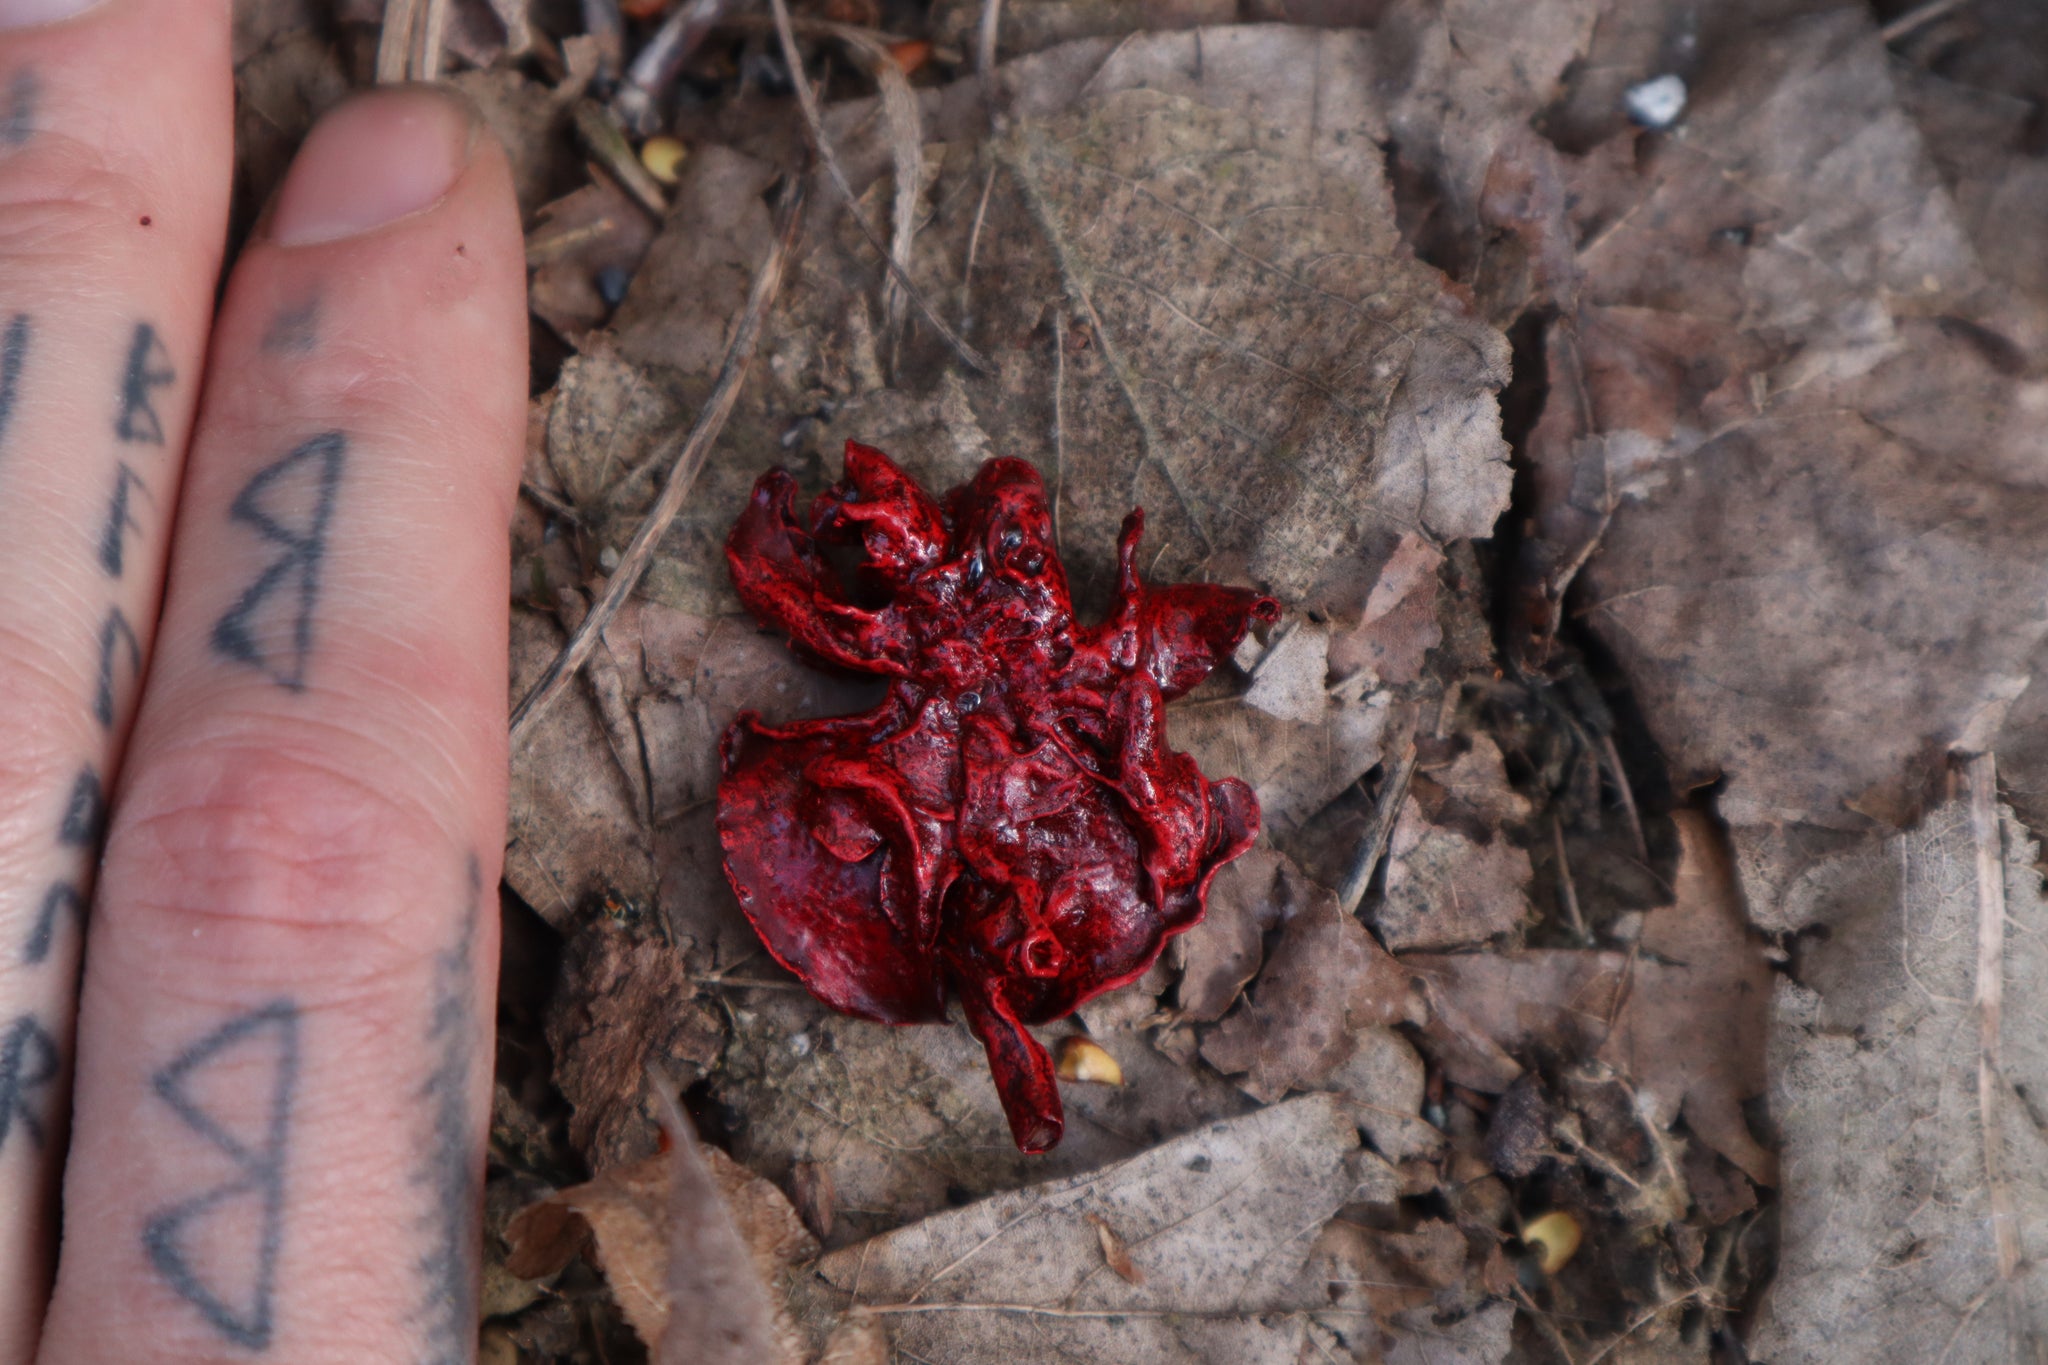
(663, 158)
(1555, 1236)
(1081, 1059)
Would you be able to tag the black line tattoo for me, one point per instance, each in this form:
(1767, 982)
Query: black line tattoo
(116, 632)
(58, 899)
(120, 521)
(28, 1062)
(149, 369)
(255, 1190)
(13, 355)
(24, 93)
(295, 329)
(451, 1172)
(85, 812)
(317, 461)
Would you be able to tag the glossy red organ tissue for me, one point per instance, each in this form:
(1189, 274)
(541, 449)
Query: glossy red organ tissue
(1009, 824)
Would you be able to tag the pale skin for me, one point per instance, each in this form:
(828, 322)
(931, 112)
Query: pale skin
(252, 705)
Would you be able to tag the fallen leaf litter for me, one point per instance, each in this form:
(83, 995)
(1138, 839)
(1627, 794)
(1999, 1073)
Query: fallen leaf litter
(1472, 928)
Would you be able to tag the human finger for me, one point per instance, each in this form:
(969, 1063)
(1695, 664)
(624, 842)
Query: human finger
(282, 1063)
(115, 155)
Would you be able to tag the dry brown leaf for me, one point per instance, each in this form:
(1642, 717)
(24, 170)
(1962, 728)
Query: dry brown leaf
(1278, 389)
(728, 1236)
(692, 1208)
(1115, 1254)
(1881, 1090)
(625, 1002)
(1326, 979)
(575, 830)
(1385, 1080)
(1445, 889)
(1974, 103)
(904, 1119)
(1801, 393)
(578, 238)
(857, 1341)
(1295, 767)
(1485, 1008)
(528, 121)
(1248, 898)
(1220, 1223)
(1461, 76)
(698, 270)
(1691, 1033)
(1682, 1020)
(1398, 626)
(1479, 1336)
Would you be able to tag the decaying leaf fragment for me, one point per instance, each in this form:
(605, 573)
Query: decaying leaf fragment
(1681, 1020)
(1453, 876)
(1691, 1035)
(1915, 1157)
(691, 1243)
(1325, 982)
(1216, 1226)
(1798, 390)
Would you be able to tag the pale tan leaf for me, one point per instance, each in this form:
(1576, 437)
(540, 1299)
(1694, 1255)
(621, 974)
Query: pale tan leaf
(1219, 1223)
(1911, 1148)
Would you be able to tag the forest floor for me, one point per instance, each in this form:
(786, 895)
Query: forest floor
(1637, 408)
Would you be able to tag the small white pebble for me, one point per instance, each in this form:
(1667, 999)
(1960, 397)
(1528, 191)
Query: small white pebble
(801, 1044)
(1656, 103)
(608, 559)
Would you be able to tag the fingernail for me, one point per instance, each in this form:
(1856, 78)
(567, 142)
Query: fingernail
(372, 160)
(16, 14)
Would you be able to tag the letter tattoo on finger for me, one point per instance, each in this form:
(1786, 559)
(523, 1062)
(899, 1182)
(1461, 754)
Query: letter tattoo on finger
(149, 369)
(85, 812)
(18, 119)
(13, 355)
(235, 1297)
(57, 900)
(120, 521)
(28, 1063)
(289, 503)
(450, 1172)
(117, 641)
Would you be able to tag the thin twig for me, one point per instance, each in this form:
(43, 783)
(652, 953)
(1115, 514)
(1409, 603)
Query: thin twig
(1917, 18)
(409, 45)
(1385, 811)
(1982, 773)
(988, 185)
(426, 57)
(1647, 1316)
(1567, 890)
(985, 34)
(1543, 1320)
(558, 243)
(638, 100)
(1612, 751)
(597, 127)
(747, 983)
(394, 42)
(689, 462)
(1041, 1311)
(814, 128)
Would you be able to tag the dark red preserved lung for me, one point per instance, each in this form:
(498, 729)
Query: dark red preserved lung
(1009, 824)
